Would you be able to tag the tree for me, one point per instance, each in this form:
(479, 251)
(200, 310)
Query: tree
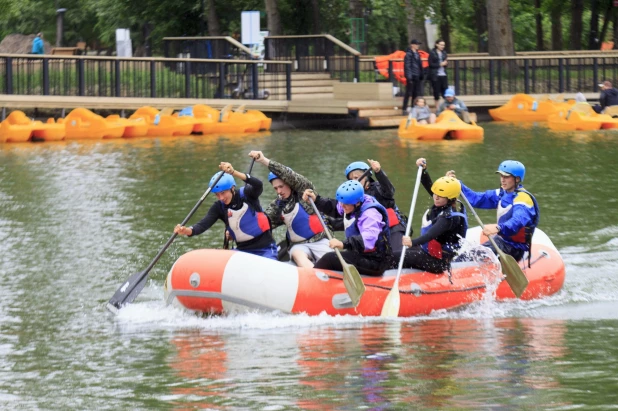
(499, 29)
(415, 29)
(556, 26)
(213, 20)
(273, 18)
(593, 34)
(445, 26)
(577, 11)
(315, 14)
(539, 25)
(480, 19)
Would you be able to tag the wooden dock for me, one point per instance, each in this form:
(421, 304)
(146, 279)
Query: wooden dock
(371, 113)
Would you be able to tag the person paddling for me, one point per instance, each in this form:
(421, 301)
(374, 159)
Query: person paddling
(241, 212)
(383, 191)
(304, 230)
(518, 210)
(443, 226)
(367, 234)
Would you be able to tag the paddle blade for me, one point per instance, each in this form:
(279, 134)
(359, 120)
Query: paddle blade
(514, 274)
(392, 302)
(353, 283)
(127, 292)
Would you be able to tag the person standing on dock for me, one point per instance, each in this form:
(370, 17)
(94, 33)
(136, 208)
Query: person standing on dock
(437, 70)
(518, 210)
(37, 45)
(366, 245)
(304, 230)
(383, 191)
(241, 212)
(413, 70)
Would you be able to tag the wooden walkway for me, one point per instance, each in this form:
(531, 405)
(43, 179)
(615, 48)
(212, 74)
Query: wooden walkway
(376, 113)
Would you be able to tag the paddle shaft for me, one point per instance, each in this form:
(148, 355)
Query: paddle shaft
(125, 292)
(409, 226)
(330, 237)
(226, 240)
(478, 219)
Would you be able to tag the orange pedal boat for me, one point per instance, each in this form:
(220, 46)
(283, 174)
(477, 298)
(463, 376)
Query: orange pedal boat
(220, 281)
(132, 127)
(226, 121)
(163, 123)
(448, 126)
(82, 123)
(525, 108)
(580, 116)
(17, 127)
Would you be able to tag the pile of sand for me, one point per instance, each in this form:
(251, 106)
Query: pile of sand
(20, 44)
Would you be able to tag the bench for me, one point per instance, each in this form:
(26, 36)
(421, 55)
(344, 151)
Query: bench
(65, 51)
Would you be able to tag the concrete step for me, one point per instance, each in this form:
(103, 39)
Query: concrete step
(379, 112)
(298, 83)
(315, 96)
(298, 76)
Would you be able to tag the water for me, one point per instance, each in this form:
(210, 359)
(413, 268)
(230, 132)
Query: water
(77, 218)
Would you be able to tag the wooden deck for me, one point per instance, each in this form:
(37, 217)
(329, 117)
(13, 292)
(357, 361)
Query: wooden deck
(376, 113)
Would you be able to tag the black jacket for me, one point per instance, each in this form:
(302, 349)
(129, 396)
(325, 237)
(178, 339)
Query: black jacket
(434, 63)
(609, 98)
(413, 66)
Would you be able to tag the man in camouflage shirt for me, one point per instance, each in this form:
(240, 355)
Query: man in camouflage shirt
(304, 230)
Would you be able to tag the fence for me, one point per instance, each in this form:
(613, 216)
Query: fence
(519, 74)
(143, 77)
(211, 47)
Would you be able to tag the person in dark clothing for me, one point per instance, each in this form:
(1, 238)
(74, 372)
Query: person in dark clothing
(413, 70)
(383, 191)
(366, 230)
(437, 70)
(442, 228)
(240, 211)
(608, 97)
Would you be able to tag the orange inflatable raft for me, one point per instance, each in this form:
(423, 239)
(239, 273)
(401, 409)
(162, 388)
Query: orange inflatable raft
(381, 63)
(218, 281)
(525, 108)
(448, 126)
(581, 116)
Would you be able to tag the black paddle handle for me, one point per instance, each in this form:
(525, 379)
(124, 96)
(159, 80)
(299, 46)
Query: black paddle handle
(187, 218)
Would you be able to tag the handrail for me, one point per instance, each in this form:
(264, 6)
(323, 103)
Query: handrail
(482, 58)
(326, 36)
(50, 56)
(229, 39)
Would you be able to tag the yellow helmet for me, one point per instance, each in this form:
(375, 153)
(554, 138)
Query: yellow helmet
(448, 187)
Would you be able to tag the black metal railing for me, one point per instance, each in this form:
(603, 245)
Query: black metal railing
(211, 47)
(143, 77)
(510, 75)
(314, 53)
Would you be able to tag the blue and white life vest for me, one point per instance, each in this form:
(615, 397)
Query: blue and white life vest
(246, 223)
(448, 243)
(301, 225)
(505, 213)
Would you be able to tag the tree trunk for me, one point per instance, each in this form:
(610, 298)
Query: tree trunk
(577, 10)
(272, 17)
(213, 20)
(609, 12)
(615, 39)
(539, 25)
(480, 17)
(445, 26)
(499, 28)
(593, 35)
(415, 29)
(315, 12)
(556, 28)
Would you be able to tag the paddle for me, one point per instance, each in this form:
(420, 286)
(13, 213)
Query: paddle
(409, 120)
(226, 240)
(129, 290)
(515, 277)
(351, 278)
(392, 302)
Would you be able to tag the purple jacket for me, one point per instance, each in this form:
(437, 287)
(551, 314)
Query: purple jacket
(370, 224)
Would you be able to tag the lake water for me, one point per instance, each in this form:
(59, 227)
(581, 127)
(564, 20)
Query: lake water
(78, 218)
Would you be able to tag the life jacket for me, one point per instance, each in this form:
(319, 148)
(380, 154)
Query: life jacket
(301, 225)
(246, 223)
(350, 223)
(524, 235)
(445, 246)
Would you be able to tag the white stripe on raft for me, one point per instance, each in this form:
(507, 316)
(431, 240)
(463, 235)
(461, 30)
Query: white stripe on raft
(242, 280)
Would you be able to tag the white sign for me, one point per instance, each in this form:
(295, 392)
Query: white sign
(123, 43)
(250, 27)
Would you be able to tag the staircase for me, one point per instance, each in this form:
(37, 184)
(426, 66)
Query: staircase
(305, 86)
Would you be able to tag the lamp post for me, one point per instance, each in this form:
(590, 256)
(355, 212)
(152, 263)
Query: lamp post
(59, 26)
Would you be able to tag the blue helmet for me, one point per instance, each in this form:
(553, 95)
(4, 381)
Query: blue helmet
(350, 192)
(226, 182)
(513, 168)
(272, 176)
(357, 165)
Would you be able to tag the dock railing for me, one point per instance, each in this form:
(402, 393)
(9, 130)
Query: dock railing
(315, 53)
(29, 74)
(207, 47)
